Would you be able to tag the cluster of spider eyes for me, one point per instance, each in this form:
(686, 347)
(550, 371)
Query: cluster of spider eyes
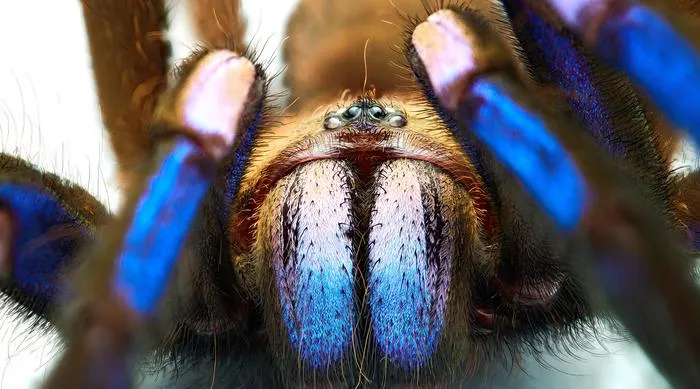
(389, 116)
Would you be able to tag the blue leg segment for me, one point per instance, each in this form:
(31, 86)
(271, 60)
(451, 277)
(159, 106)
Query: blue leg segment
(641, 275)
(522, 142)
(660, 60)
(161, 222)
(239, 162)
(557, 58)
(47, 239)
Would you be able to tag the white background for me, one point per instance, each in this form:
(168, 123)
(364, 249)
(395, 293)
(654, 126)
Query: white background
(48, 115)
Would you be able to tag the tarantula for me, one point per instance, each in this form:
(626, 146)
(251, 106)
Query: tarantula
(494, 189)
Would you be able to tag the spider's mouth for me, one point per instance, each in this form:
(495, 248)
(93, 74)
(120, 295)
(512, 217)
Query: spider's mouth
(369, 230)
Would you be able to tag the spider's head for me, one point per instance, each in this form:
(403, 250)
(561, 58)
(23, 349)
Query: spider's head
(365, 231)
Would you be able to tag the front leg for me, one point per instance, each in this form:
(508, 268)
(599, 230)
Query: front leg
(117, 285)
(219, 23)
(646, 39)
(621, 245)
(130, 56)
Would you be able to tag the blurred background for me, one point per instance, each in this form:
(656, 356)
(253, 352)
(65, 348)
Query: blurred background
(49, 116)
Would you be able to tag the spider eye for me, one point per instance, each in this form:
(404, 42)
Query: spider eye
(397, 121)
(352, 113)
(376, 112)
(332, 122)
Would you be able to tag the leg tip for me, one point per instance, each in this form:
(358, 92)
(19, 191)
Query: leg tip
(212, 102)
(446, 50)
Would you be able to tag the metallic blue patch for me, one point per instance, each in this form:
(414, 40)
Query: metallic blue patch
(318, 313)
(409, 268)
(160, 226)
(236, 168)
(47, 238)
(662, 62)
(523, 143)
(313, 263)
(406, 319)
(568, 67)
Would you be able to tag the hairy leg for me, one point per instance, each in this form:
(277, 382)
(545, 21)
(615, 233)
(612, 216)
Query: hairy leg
(218, 23)
(112, 297)
(670, 139)
(648, 256)
(129, 57)
(686, 192)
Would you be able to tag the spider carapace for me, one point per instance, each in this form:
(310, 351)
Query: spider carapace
(452, 186)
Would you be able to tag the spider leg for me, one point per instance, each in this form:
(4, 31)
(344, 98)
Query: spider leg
(45, 220)
(218, 23)
(624, 248)
(604, 100)
(646, 41)
(129, 58)
(198, 125)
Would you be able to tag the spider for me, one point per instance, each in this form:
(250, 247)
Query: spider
(481, 182)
